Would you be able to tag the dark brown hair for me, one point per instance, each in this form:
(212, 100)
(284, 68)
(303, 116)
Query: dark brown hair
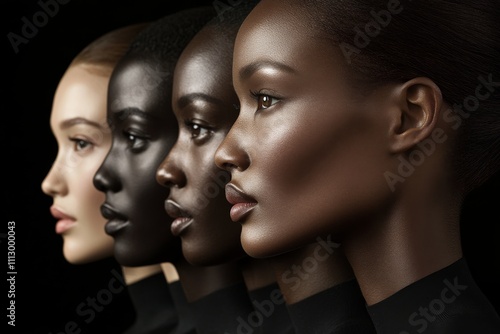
(455, 43)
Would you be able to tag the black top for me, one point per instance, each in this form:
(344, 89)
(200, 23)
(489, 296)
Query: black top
(269, 303)
(155, 309)
(186, 324)
(340, 309)
(225, 311)
(445, 302)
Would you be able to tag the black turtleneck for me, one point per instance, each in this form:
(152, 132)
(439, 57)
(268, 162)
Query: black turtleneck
(445, 302)
(154, 306)
(269, 303)
(338, 310)
(226, 311)
(186, 324)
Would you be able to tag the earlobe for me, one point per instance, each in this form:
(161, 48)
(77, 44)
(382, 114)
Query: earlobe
(419, 107)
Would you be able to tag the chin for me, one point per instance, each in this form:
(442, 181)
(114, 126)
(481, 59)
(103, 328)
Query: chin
(77, 259)
(260, 247)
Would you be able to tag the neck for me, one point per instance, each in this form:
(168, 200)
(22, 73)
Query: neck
(307, 271)
(200, 281)
(417, 236)
(169, 271)
(135, 274)
(257, 273)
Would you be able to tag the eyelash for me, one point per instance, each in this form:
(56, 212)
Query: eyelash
(134, 141)
(259, 96)
(77, 141)
(196, 127)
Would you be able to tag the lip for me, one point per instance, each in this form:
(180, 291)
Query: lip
(242, 203)
(116, 221)
(182, 219)
(64, 221)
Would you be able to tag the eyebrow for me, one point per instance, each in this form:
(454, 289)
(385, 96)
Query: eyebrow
(190, 98)
(127, 112)
(248, 70)
(80, 120)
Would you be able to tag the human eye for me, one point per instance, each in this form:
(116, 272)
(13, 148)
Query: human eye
(80, 145)
(264, 101)
(199, 132)
(135, 141)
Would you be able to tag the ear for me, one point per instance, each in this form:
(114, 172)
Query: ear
(419, 105)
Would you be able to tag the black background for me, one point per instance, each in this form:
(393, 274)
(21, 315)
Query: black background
(48, 289)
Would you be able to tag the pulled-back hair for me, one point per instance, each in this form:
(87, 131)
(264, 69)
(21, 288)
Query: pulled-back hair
(104, 52)
(455, 43)
(164, 39)
(227, 24)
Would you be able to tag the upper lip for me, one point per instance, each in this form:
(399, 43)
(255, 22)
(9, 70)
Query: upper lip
(57, 213)
(175, 210)
(235, 195)
(108, 212)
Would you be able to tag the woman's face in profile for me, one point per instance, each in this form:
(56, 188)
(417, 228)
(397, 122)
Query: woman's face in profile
(143, 130)
(204, 103)
(306, 152)
(78, 122)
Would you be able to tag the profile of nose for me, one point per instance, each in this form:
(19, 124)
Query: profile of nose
(170, 175)
(104, 180)
(54, 183)
(224, 160)
(230, 154)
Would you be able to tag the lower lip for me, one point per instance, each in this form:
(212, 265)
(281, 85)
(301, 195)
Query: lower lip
(241, 210)
(114, 226)
(180, 224)
(63, 225)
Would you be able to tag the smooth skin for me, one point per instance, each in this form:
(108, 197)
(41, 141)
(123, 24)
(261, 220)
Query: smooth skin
(83, 139)
(310, 148)
(205, 106)
(143, 132)
(205, 109)
(304, 138)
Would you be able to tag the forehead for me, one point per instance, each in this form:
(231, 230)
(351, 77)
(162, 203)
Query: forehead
(273, 18)
(133, 71)
(81, 93)
(139, 82)
(205, 61)
(283, 32)
(277, 30)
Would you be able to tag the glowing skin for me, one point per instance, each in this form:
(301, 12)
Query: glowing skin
(306, 153)
(144, 130)
(78, 122)
(205, 109)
